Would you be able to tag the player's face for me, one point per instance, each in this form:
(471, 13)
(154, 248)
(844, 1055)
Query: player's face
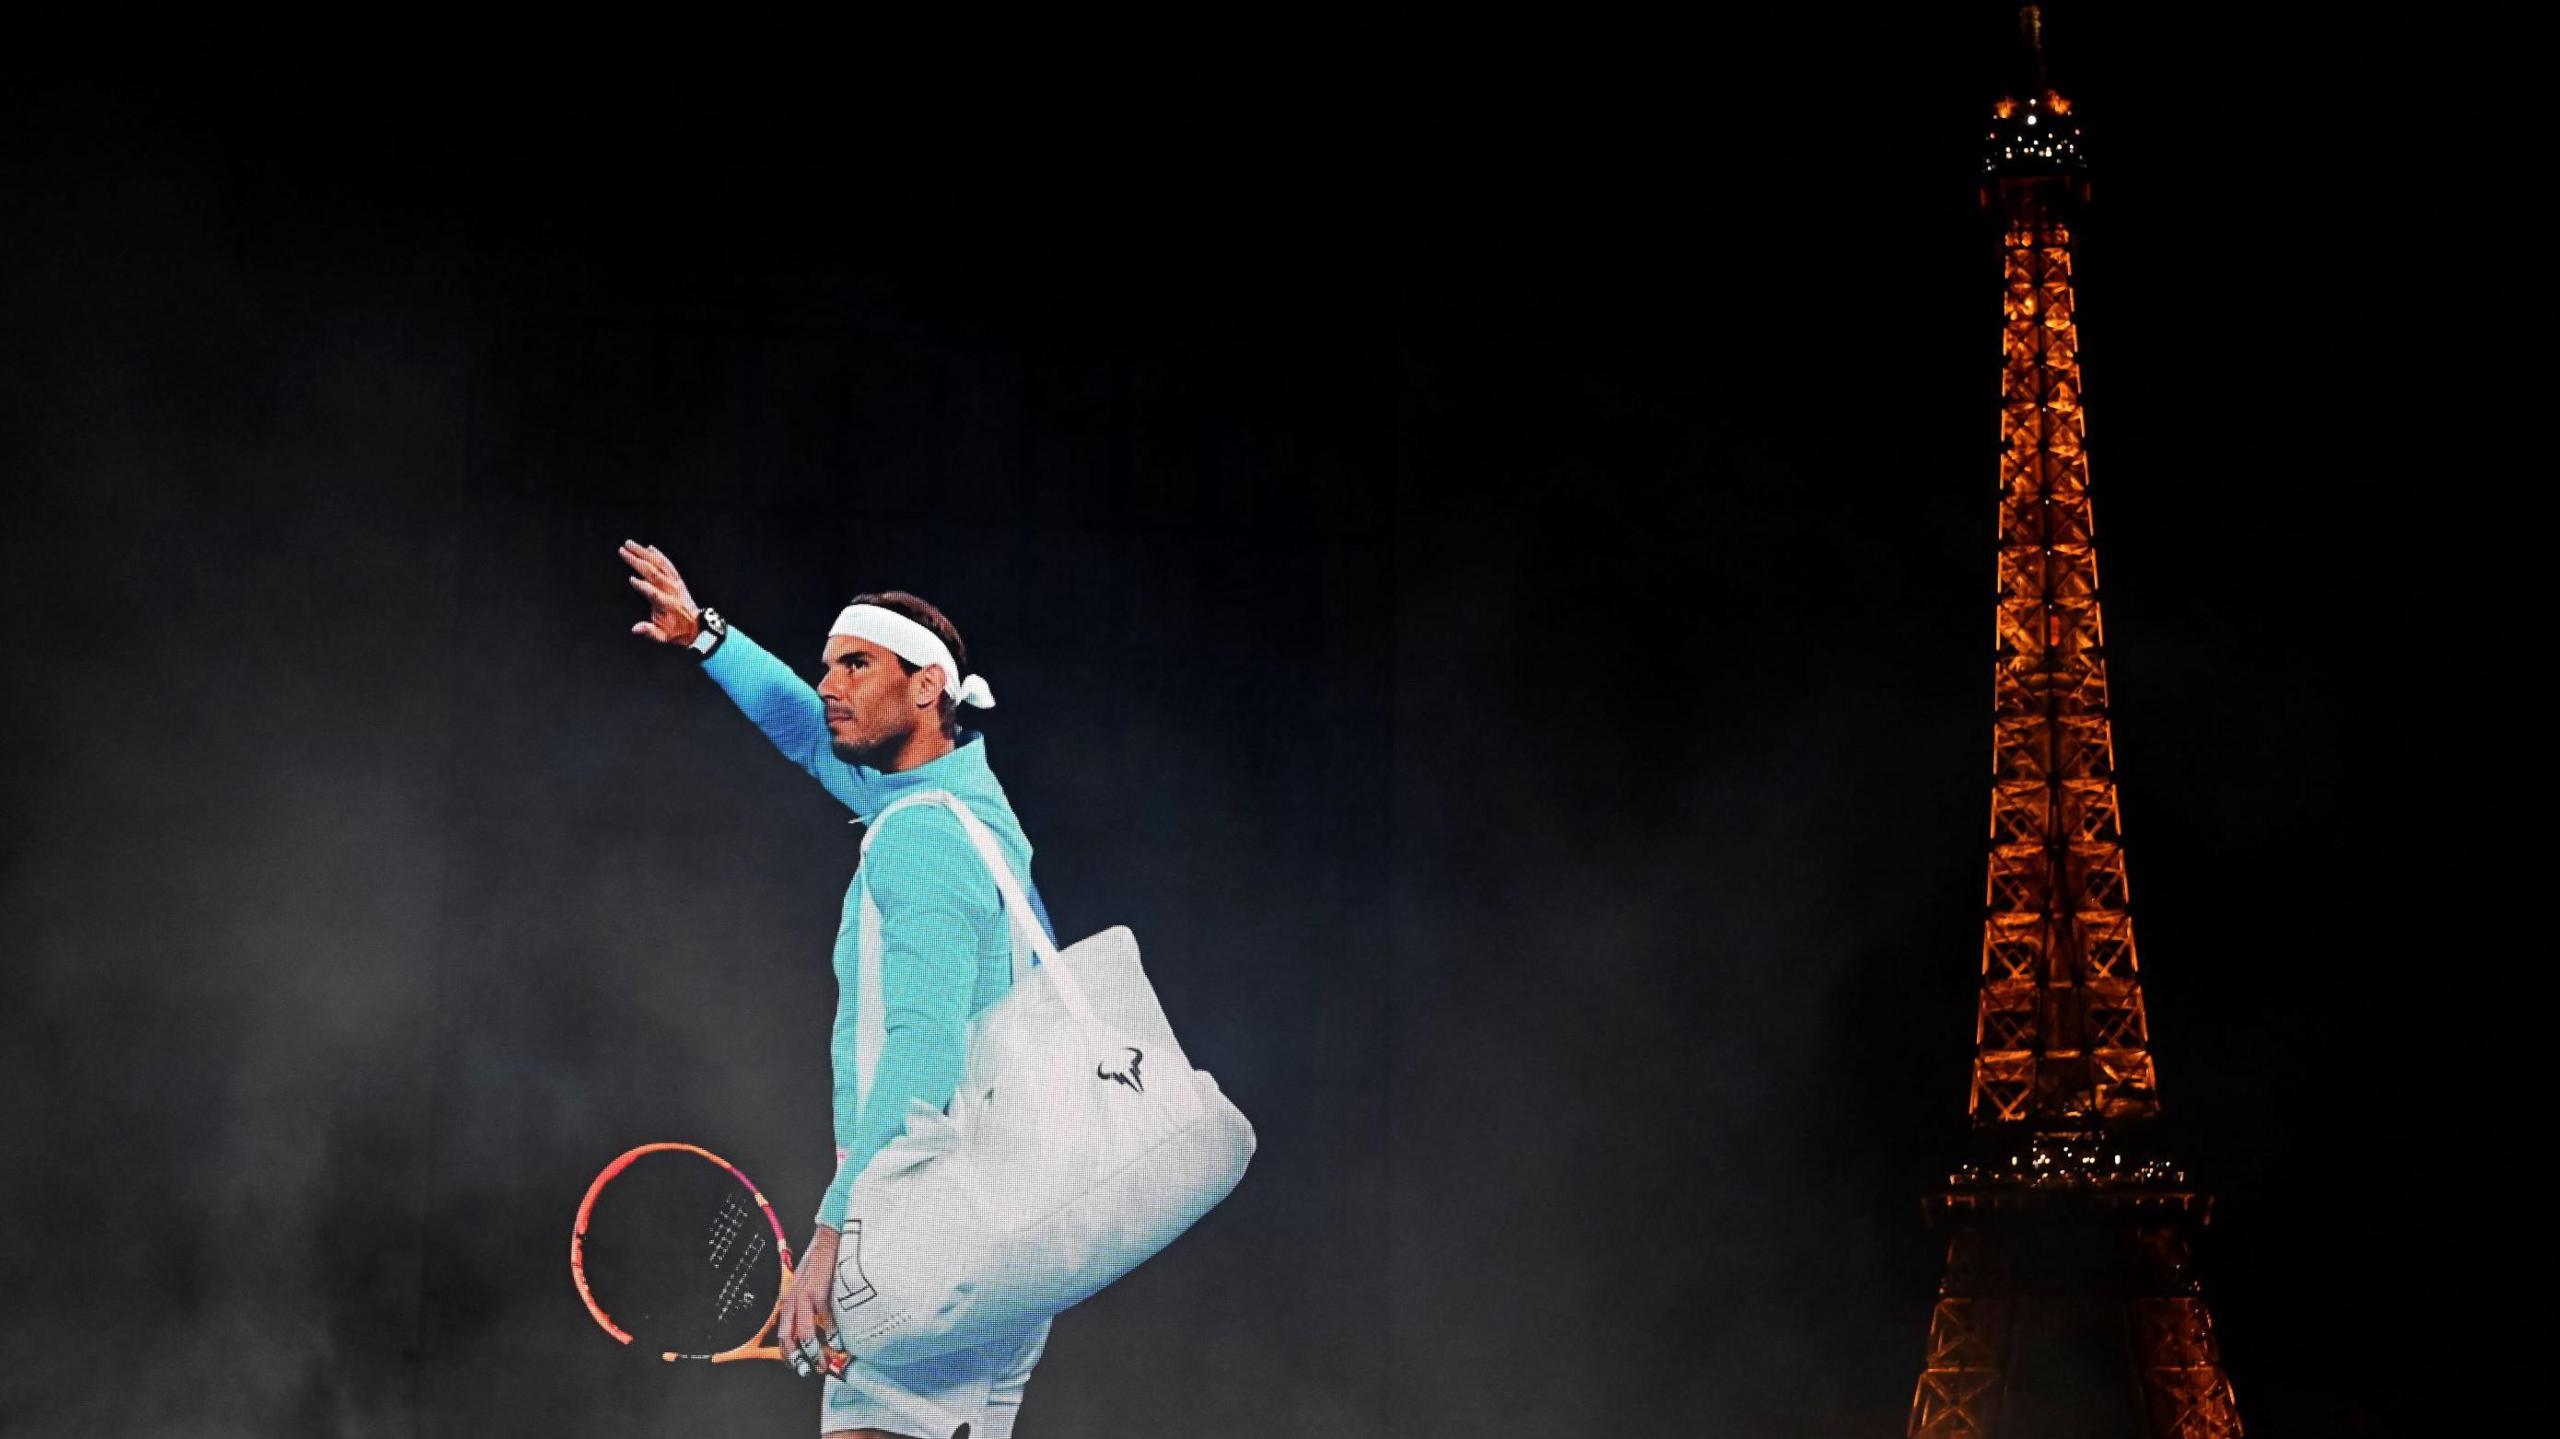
(869, 698)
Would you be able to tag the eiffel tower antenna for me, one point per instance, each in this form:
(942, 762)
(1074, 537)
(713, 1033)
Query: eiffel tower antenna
(2031, 32)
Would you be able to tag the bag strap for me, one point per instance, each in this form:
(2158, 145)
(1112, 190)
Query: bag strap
(1008, 889)
(1021, 951)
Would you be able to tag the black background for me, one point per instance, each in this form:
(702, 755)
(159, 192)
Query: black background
(1482, 531)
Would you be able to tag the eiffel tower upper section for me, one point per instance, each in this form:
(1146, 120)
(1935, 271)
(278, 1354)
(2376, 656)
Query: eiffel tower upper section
(2061, 1042)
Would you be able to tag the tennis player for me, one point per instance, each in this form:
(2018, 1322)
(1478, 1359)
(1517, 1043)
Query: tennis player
(882, 723)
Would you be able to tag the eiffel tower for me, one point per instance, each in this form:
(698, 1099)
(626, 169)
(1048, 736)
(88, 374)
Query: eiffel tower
(2069, 1304)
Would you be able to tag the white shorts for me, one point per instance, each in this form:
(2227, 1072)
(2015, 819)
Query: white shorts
(971, 1393)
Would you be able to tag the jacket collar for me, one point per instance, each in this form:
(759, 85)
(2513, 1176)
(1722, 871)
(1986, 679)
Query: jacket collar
(963, 771)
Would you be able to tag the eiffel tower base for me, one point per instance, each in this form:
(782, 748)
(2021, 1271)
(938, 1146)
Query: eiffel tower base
(2069, 1316)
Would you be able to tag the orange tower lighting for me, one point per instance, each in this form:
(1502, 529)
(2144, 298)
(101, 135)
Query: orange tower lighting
(2069, 1304)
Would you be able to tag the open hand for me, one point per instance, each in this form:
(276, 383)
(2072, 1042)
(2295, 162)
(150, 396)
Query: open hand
(674, 619)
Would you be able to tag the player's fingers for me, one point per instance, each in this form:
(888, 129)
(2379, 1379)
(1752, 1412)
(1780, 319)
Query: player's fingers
(826, 1337)
(805, 1308)
(787, 1333)
(646, 560)
(808, 1355)
(793, 1344)
(657, 561)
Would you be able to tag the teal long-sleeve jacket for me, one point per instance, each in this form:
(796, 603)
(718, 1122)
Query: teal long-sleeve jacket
(945, 949)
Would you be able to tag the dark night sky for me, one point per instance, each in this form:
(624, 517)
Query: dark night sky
(1483, 536)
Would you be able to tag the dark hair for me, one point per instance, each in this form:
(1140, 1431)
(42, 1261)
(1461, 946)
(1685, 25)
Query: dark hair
(923, 613)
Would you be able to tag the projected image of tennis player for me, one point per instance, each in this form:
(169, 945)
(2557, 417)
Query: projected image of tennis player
(924, 919)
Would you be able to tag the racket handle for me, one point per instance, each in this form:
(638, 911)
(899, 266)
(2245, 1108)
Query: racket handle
(835, 1360)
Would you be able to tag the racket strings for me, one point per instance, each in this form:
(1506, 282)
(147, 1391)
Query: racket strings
(740, 1237)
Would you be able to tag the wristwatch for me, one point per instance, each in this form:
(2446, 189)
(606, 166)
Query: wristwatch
(714, 630)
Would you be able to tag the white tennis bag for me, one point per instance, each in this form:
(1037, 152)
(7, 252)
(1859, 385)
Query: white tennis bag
(1080, 1142)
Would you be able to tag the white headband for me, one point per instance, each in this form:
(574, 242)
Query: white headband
(916, 645)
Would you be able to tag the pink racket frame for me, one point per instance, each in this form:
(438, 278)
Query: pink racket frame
(755, 1347)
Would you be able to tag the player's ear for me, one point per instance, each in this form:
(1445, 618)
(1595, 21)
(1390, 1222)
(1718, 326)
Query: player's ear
(924, 687)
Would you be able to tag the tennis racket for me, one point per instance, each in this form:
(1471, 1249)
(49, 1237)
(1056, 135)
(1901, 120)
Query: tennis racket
(676, 1250)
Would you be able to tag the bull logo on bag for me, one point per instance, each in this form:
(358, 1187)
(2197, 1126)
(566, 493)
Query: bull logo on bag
(1128, 1076)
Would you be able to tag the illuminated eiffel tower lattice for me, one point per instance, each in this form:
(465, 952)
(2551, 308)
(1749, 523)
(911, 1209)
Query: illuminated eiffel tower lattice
(2069, 1304)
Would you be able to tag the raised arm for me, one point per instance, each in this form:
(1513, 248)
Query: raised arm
(780, 702)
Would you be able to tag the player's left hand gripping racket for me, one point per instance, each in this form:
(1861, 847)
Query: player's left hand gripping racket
(676, 1250)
